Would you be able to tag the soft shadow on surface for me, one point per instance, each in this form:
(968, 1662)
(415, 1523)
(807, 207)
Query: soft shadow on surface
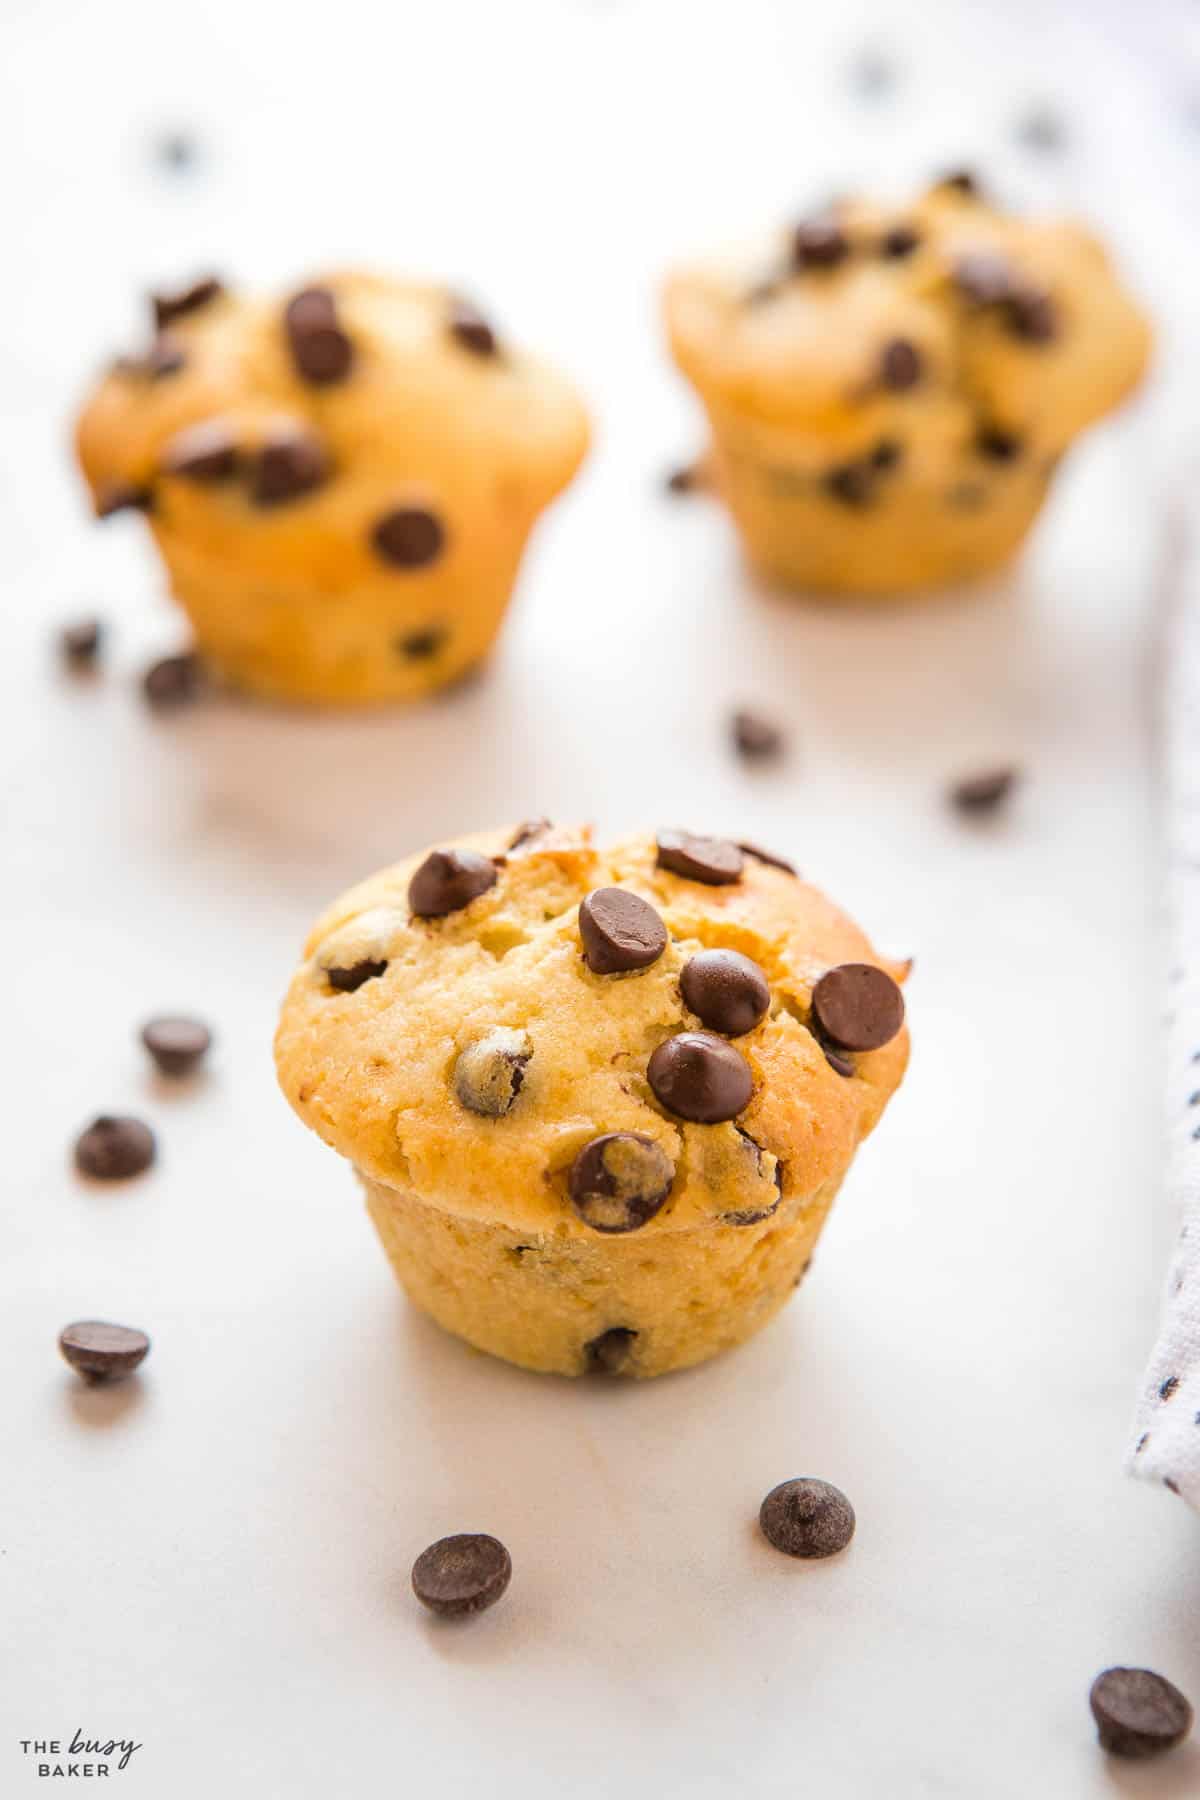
(1175, 1776)
(102, 1404)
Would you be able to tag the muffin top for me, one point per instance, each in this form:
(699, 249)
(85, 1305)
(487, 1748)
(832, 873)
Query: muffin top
(522, 1027)
(389, 413)
(942, 326)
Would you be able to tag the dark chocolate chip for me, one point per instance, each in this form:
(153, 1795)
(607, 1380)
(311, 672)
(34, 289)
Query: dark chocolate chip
(168, 307)
(886, 454)
(726, 990)
(838, 1061)
(1138, 1713)
(80, 642)
(984, 277)
(320, 349)
(173, 681)
(1032, 316)
(114, 1148)
(756, 737)
(490, 1073)
(123, 496)
(101, 1352)
(685, 479)
(469, 328)
(985, 790)
(850, 484)
(960, 181)
(819, 244)
(620, 931)
(204, 452)
(1169, 1388)
(899, 241)
(714, 861)
(423, 646)
(767, 856)
(408, 537)
(858, 1006)
(527, 831)
(177, 1044)
(997, 444)
(463, 1574)
(620, 1180)
(349, 980)
(700, 1077)
(901, 365)
(448, 880)
(289, 463)
(609, 1353)
(807, 1517)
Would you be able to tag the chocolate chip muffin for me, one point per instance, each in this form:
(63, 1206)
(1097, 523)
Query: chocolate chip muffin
(600, 1100)
(341, 481)
(891, 391)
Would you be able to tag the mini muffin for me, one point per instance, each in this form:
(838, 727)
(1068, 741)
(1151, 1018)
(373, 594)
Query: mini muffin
(890, 392)
(341, 481)
(600, 1100)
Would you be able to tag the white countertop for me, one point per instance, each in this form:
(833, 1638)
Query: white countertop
(214, 1560)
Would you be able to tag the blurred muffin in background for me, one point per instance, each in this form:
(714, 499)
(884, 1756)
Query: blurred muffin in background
(890, 390)
(341, 480)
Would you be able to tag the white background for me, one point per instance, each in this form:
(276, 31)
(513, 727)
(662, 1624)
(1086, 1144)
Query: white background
(214, 1559)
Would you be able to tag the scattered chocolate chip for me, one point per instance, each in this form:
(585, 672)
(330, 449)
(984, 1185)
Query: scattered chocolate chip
(80, 642)
(685, 479)
(901, 365)
(1138, 1713)
(320, 349)
(850, 483)
(838, 1061)
(1041, 129)
(173, 681)
(858, 1006)
(101, 1352)
(423, 646)
(726, 990)
(448, 880)
(700, 1077)
(349, 980)
(204, 452)
(620, 1180)
(527, 831)
(960, 181)
(490, 1073)
(714, 861)
(168, 307)
(767, 856)
(1032, 316)
(289, 463)
(997, 444)
(177, 1044)
(984, 277)
(984, 791)
(899, 241)
(620, 931)
(819, 244)
(755, 737)
(748, 1215)
(409, 537)
(469, 328)
(463, 1574)
(122, 496)
(886, 454)
(807, 1517)
(609, 1353)
(113, 1148)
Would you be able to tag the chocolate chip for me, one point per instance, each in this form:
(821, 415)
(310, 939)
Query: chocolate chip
(960, 181)
(1032, 316)
(766, 856)
(714, 861)
(448, 880)
(620, 931)
(858, 1006)
(807, 1517)
(838, 1061)
(619, 1181)
(886, 454)
(409, 537)
(755, 737)
(819, 244)
(1138, 1713)
(173, 681)
(114, 1148)
(700, 1077)
(164, 357)
(204, 452)
(349, 980)
(726, 990)
(984, 791)
(901, 365)
(850, 483)
(984, 277)
(463, 1574)
(289, 463)
(423, 646)
(469, 328)
(122, 496)
(685, 479)
(171, 306)
(102, 1352)
(609, 1353)
(177, 1044)
(899, 241)
(80, 642)
(320, 349)
(490, 1073)
(527, 831)
(997, 444)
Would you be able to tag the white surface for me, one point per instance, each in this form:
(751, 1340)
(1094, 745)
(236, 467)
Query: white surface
(214, 1560)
